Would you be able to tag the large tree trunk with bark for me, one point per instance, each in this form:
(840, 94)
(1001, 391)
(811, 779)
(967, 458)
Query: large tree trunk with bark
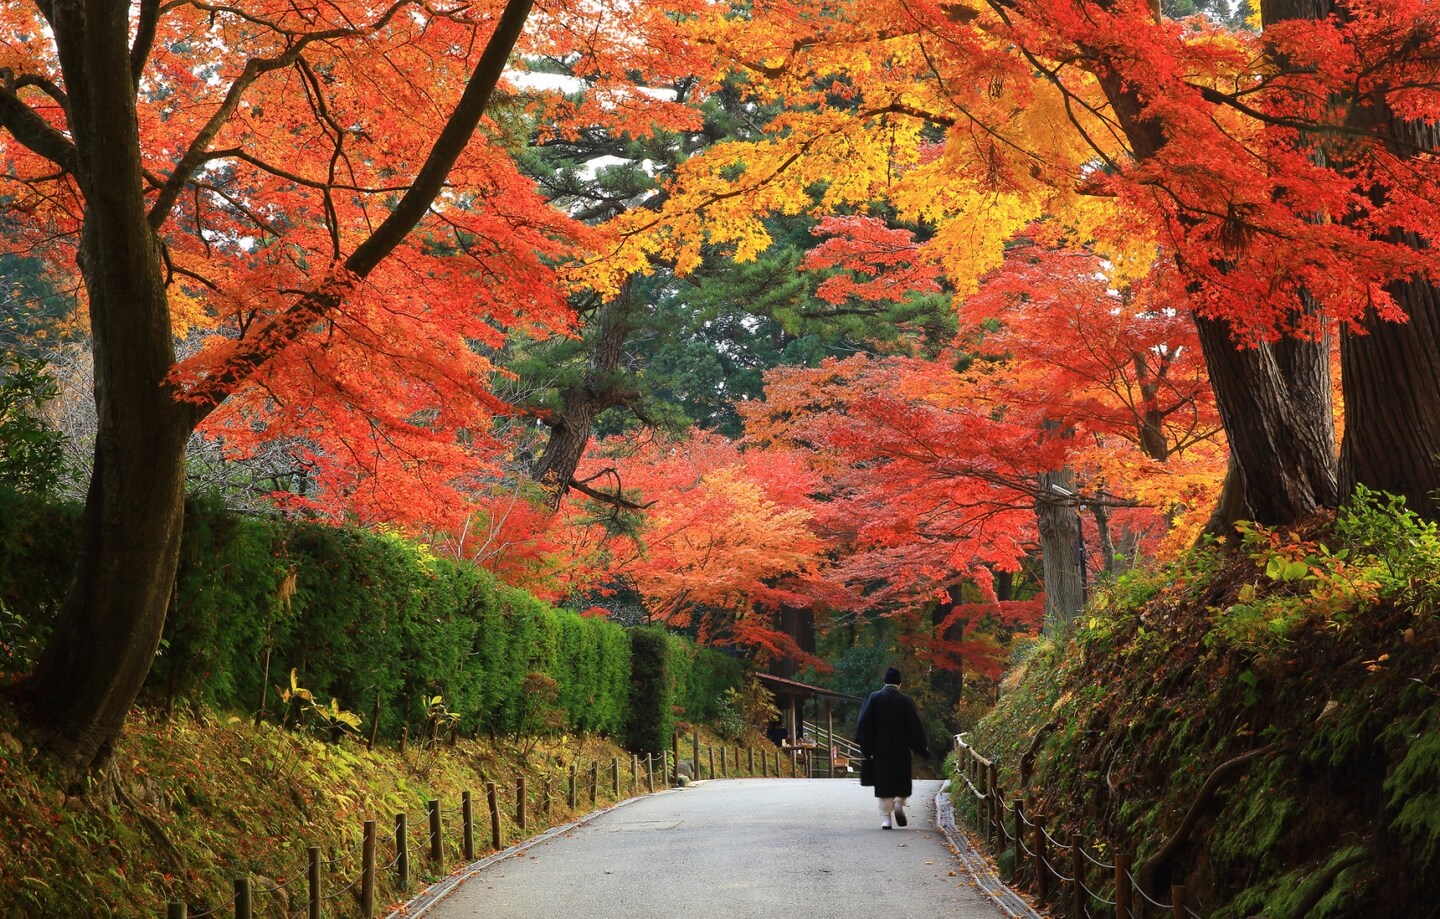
(1057, 516)
(1274, 400)
(110, 626)
(1390, 377)
(1390, 374)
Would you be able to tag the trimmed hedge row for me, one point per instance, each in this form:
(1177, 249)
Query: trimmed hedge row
(375, 622)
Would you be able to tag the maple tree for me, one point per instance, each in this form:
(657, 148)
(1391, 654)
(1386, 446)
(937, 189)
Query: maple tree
(313, 199)
(727, 542)
(1136, 134)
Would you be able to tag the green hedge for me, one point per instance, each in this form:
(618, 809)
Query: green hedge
(373, 621)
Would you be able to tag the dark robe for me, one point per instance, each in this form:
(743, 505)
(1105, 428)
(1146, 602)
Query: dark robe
(887, 731)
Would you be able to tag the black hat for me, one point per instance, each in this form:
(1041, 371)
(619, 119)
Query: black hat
(892, 675)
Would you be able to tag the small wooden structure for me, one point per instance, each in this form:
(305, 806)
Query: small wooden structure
(791, 697)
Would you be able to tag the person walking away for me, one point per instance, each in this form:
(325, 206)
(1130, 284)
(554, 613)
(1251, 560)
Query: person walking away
(888, 730)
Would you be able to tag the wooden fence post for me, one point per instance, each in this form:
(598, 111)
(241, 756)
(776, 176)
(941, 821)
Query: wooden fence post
(650, 772)
(1077, 871)
(497, 834)
(674, 776)
(316, 892)
(994, 806)
(572, 797)
(1042, 868)
(244, 906)
(1122, 885)
(437, 841)
(404, 739)
(1177, 900)
(367, 872)
(402, 851)
(634, 773)
(467, 822)
(724, 766)
(615, 777)
(175, 910)
(520, 802)
(695, 755)
(1018, 806)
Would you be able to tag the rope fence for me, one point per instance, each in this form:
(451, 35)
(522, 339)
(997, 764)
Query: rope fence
(1115, 887)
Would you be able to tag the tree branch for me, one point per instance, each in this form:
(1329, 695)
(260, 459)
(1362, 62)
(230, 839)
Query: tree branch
(606, 497)
(30, 129)
(197, 153)
(250, 354)
(144, 38)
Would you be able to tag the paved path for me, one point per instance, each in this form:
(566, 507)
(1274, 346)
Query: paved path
(732, 849)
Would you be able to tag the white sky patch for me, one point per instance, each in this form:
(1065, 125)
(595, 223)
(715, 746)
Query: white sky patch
(590, 168)
(545, 82)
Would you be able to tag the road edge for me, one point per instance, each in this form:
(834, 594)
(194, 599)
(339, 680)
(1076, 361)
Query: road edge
(1008, 901)
(427, 898)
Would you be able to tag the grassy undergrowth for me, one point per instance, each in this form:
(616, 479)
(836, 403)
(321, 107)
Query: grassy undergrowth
(187, 805)
(1319, 647)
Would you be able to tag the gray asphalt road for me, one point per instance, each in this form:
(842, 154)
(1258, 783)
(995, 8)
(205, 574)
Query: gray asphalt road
(733, 849)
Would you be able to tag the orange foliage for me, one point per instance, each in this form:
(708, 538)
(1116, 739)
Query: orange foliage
(727, 542)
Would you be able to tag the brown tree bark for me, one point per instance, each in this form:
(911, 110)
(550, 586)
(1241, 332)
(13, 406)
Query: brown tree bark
(1390, 373)
(108, 630)
(1390, 377)
(1057, 516)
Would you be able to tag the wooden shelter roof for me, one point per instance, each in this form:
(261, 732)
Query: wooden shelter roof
(795, 687)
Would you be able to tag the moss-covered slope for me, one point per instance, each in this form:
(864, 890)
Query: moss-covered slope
(1318, 651)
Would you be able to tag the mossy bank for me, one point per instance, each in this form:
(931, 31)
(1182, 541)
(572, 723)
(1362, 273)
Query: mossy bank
(1316, 651)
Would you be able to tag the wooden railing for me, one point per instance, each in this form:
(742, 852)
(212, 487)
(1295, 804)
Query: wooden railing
(344, 885)
(1063, 875)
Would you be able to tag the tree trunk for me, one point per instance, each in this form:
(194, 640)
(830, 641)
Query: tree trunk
(1390, 377)
(109, 628)
(1277, 416)
(1057, 516)
(1390, 374)
(573, 426)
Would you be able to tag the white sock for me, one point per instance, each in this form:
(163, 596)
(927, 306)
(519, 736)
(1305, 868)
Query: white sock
(887, 806)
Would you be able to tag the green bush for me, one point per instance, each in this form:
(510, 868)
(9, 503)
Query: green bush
(38, 543)
(650, 721)
(369, 620)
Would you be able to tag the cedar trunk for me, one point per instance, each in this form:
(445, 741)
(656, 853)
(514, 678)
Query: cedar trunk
(1274, 399)
(1391, 376)
(1058, 520)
